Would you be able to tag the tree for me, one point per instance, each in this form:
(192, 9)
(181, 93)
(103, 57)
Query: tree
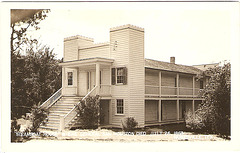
(18, 39)
(35, 75)
(214, 112)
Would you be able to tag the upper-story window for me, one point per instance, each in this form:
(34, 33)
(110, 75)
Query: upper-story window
(119, 75)
(70, 78)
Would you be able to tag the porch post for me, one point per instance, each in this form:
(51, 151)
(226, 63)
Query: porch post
(177, 109)
(160, 83)
(177, 85)
(160, 110)
(97, 78)
(193, 106)
(193, 86)
(63, 80)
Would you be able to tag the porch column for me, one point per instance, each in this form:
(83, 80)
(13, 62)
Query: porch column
(159, 110)
(160, 83)
(63, 80)
(193, 106)
(97, 78)
(193, 86)
(177, 109)
(177, 84)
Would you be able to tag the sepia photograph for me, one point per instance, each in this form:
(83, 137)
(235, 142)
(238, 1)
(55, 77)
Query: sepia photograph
(120, 74)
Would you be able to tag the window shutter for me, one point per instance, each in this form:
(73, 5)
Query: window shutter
(124, 75)
(113, 76)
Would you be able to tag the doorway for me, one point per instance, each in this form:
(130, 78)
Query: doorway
(104, 112)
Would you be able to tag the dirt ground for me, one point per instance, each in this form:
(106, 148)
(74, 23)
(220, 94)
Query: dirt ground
(109, 135)
(152, 135)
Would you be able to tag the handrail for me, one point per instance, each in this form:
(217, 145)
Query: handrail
(77, 105)
(52, 97)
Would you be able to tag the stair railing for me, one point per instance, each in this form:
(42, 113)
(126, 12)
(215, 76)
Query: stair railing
(72, 113)
(51, 100)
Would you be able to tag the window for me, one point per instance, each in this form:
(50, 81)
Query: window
(119, 75)
(119, 106)
(70, 78)
(201, 84)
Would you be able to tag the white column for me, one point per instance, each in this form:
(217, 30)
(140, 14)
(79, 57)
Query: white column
(177, 84)
(177, 109)
(77, 81)
(193, 86)
(63, 80)
(193, 106)
(159, 110)
(97, 78)
(160, 83)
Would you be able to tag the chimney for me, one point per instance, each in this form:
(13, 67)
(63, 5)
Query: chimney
(172, 59)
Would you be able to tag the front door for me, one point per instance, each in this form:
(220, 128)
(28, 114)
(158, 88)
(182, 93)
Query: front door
(104, 112)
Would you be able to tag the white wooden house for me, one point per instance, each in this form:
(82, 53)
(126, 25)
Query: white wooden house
(153, 92)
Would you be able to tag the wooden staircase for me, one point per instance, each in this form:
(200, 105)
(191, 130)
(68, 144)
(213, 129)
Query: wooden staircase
(60, 108)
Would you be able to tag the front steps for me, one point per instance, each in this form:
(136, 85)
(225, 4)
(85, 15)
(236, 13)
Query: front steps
(61, 107)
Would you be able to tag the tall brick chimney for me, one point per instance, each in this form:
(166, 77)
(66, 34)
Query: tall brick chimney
(172, 59)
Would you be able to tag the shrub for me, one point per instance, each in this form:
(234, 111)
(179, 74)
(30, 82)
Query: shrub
(37, 117)
(89, 113)
(193, 122)
(14, 128)
(129, 124)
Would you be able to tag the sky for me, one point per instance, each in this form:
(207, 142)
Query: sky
(195, 33)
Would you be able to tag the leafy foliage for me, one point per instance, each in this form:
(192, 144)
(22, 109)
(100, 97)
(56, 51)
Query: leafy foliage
(129, 124)
(89, 112)
(214, 112)
(14, 128)
(35, 79)
(37, 117)
(193, 122)
(35, 74)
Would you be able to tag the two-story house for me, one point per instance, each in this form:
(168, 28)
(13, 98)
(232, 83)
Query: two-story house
(153, 92)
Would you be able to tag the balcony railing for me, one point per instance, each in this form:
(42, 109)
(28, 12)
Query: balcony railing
(171, 91)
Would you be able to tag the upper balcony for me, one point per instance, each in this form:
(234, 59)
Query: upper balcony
(172, 84)
(168, 91)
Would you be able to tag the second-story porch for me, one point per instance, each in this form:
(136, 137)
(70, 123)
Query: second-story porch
(164, 79)
(80, 76)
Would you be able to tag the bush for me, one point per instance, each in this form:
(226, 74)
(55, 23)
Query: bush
(37, 117)
(89, 113)
(193, 122)
(129, 124)
(14, 128)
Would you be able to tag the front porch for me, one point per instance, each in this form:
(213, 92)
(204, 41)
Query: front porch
(79, 77)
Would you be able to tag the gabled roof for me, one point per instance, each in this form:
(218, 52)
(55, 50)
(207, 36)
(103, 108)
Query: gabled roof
(171, 67)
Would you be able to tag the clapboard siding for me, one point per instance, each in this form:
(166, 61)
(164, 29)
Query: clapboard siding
(72, 45)
(100, 51)
(70, 50)
(168, 79)
(169, 109)
(152, 77)
(82, 83)
(119, 51)
(186, 81)
(136, 75)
